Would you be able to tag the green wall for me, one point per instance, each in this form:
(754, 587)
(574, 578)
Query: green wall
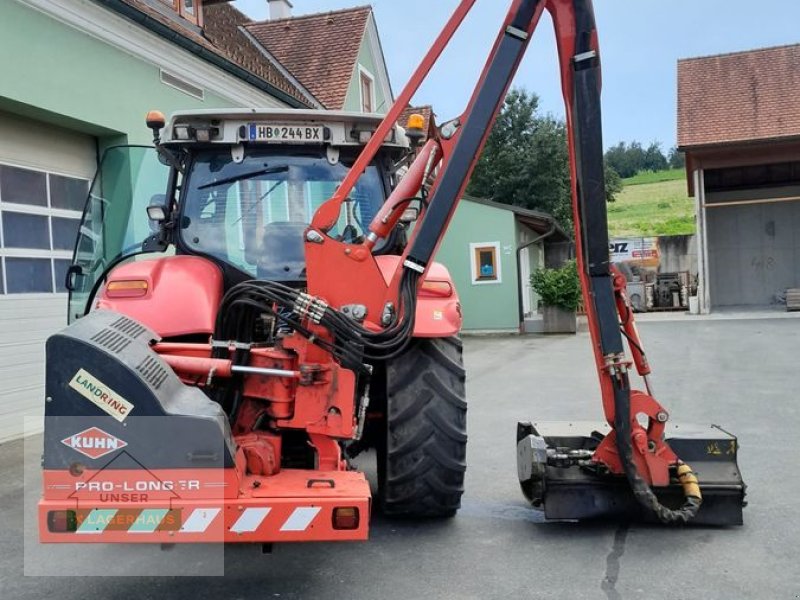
(485, 306)
(367, 60)
(79, 82)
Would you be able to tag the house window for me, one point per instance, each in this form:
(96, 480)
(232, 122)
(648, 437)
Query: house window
(367, 92)
(191, 10)
(40, 214)
(485, 263)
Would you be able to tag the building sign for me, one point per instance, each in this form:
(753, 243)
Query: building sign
(642, 251)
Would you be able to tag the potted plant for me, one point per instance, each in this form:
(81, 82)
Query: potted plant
(559, 291)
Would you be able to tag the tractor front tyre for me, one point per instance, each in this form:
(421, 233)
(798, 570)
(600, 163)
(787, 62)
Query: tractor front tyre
(422, 458)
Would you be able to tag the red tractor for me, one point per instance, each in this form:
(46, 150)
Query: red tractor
(208, 366)
(252, 309)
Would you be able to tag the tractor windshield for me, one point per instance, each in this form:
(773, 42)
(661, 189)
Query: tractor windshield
(252, 214)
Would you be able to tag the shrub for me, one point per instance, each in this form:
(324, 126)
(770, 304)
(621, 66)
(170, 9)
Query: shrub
(558, 287)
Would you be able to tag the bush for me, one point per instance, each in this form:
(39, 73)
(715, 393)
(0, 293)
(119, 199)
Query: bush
(558, 287)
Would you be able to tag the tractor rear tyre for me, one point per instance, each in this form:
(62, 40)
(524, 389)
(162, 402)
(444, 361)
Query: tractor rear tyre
(422, 457)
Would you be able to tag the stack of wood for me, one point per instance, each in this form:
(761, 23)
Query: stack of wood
(793, 299)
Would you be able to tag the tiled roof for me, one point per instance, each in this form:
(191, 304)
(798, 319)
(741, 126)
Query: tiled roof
(740, 97)
(319, 50)
(223, 38)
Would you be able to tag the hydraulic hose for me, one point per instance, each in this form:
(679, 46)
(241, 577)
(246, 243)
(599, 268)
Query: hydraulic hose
(641, 491)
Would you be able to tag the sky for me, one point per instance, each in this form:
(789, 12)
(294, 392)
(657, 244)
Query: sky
(640, 42)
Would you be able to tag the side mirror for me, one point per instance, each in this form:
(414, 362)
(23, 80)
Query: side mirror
(71, 280)
(157, 213)
(409, 215)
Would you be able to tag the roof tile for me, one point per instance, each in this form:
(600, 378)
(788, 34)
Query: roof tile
(320, 50)
(739, 97)
(223, 38)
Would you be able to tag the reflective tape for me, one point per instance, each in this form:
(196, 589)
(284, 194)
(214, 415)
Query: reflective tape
(96, 521)
(148, 520)
(199, 520)
(155, 520)
(300, 518)
(250, 520)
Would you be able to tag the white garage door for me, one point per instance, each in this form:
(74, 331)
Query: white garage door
(44, 178)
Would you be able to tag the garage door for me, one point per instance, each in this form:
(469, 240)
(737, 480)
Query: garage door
(753, 252)
(44, 178)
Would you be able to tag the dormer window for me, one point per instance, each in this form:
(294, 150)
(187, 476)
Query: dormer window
(188, 9)
(191, 10)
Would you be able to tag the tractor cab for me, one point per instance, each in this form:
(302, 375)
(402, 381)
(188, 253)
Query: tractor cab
(238, 187)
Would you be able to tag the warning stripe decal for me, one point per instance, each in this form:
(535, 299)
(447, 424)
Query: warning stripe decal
(153, 520)
(300, 518)
(250, 520)
(148, 520)
(96, 521)
(199, 520)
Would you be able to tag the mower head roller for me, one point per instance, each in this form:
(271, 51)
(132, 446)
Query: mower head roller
(558, 475)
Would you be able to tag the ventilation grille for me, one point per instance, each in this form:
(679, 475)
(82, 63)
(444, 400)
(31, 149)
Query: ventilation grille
(152, 371)
(128, 327)
(111, 340)
(182, 85)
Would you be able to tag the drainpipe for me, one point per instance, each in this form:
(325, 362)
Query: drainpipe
(524, 246)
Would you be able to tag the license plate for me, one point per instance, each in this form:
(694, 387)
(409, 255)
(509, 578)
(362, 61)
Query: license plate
(286, 134)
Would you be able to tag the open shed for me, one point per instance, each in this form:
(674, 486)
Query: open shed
(739, 125)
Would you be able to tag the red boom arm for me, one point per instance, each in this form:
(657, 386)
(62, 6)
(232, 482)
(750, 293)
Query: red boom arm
(347, 273)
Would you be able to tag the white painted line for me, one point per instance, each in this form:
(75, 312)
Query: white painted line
(199, 520)
(301, 518)
(250, 520)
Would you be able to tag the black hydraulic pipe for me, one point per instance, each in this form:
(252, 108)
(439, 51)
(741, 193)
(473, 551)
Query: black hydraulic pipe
(473, 131)
(593, 220)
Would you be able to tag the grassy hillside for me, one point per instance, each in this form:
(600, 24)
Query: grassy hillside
(652, 204)
(655, 177)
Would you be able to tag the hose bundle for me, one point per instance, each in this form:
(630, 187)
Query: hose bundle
(353, 344)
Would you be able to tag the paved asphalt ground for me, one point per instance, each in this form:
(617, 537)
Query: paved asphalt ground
(741, 374)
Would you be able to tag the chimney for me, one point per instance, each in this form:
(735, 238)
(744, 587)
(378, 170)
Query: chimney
(279, 9)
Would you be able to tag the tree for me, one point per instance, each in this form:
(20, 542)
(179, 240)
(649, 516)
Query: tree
(654, 159)
(629, 159)
(625, 160)
(677, 160)
(525, 161)
(613, 182)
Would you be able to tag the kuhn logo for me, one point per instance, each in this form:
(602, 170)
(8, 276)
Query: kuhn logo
(94, 442)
